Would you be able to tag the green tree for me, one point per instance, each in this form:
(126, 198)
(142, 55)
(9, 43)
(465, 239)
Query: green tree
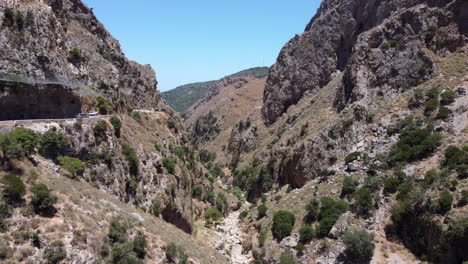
(42, 200)
(100, 128)
(117, 124)
(14, 187)
(359, 245)
(52, 143)
(72, 165)
(283, 224)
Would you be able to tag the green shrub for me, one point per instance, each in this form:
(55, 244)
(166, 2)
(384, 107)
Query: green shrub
(72, 165)
(3, 225)
(5, 211)
(52, 143)
(42, 200)
(464, 198)
(429, 179)
(213, 214)
(349, 186)
(307, 233)
(169, 163)
(197, 191)
(14, 188)
(331, 209)
(76, 54)
(3, 253)
(156, 208)
(448, 97)
(432, 102)
(123, 253)
(243, 214)
(103, 105)
(55, 252)
(445, 202)
(137, 117)
(18, 143)
(444, 112)
(117, 230)
(171, 251)
(313, 209)
(456, 159)
(222, 203)
(100, 128)
(352, 156)
(359, 245)
(29, 18)
(139, 246)
(20, 20)
(180, 152)
(9, 17)
(132, 159)
(364, 200)
(413, 145)
(157, 146)
(117, 124)
(391, 185)
(217, 171)
(262, 210)
(283, 224)
(287, 257)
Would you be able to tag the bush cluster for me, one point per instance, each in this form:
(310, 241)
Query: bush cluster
(283, 224)
(414, 144)
(72, 165)
(307, 233)
(330, 210)
(262, 210)
(14, 188)
(124, 251)
(457, 159)
(42, 200)
(359, 245)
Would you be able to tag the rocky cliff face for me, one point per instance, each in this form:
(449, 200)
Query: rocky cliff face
(62, 42)
(349, 36)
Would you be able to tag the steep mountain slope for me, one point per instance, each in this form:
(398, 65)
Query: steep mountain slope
(57, 48)
(367, 106)
(57, 60)
(183, 97)
(212, 119)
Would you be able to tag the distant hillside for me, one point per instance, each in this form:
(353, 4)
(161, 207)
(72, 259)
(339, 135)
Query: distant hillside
(182, 97)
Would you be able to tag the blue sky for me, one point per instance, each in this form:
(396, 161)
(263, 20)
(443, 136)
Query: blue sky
(189, 41)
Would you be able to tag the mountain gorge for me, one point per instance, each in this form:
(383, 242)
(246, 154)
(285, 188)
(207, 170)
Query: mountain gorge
(351, 148)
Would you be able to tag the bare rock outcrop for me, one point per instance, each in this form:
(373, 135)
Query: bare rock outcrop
(344, 36)
(61, 41)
